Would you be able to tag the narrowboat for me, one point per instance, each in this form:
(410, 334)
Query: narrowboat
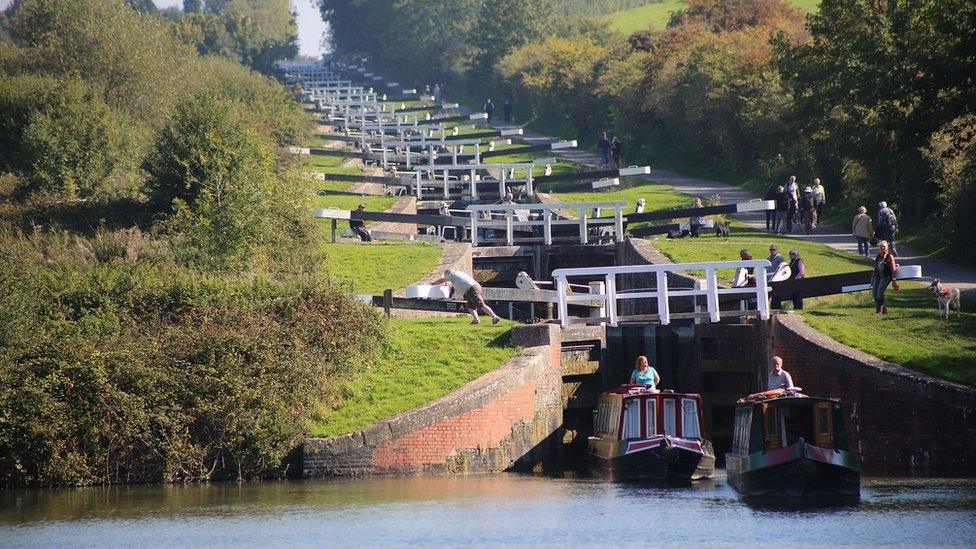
(643, 434)
(788, 444)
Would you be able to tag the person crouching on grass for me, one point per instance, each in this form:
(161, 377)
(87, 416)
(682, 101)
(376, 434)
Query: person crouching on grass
(468, 287)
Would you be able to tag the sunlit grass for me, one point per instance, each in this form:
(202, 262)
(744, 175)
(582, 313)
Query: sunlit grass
(426, 359)
(371, 267)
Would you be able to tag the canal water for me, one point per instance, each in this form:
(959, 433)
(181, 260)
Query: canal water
(500, 510)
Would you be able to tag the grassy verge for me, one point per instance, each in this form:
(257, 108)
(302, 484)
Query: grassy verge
(426, 359)
(657, 15)
(658, 195)
(318, 161)
(374, 267)
(912, 334)
(335, 194)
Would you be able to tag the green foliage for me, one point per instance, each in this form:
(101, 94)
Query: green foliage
(425, 360)
(216, 175)
(952, 155)
(65, 164)
(133, 59)
(504, 25)
(118, 371)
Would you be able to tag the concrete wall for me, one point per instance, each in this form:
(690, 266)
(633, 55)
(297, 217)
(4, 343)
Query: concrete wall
(508, 419)
(895, 417)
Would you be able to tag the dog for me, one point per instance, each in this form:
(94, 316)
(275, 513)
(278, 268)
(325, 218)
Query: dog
(723, 229)
(947, 297)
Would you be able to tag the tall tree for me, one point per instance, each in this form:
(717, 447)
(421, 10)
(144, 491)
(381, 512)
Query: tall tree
(504, 25)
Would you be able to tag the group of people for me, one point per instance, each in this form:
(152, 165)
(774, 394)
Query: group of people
(611, 151)
(870, 232)
(437, 92)
(793, 208)
(489, 109)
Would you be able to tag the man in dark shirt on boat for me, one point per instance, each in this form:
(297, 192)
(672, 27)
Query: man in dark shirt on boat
(779, 378)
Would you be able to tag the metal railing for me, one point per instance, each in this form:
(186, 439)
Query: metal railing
(509, 217)
(661, 293)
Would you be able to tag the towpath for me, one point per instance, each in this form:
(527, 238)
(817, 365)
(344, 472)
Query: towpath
(835, 237)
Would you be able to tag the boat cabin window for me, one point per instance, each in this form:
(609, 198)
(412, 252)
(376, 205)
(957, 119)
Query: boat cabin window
(651, 417)
(606, 419)
(631, 419)
(825, 435)
(743, 427)
(689, 418)
(669, 418)
(798, 423)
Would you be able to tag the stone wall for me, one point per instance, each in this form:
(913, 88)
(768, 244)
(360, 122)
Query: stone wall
(895, 417)
(508, 419)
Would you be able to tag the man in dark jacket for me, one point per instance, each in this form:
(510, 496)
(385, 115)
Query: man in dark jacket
(782, 210)
(507, 112)
(771, 194)
(604, 145)
(489, 109)
(358, 226)
(616, 149)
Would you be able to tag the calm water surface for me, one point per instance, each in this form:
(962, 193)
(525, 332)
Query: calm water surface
(490, 510)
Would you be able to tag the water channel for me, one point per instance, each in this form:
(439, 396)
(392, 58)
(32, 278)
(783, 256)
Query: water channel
(482, 510)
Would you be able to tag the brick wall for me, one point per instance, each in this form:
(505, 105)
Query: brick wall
(895, 417)
(508, 419)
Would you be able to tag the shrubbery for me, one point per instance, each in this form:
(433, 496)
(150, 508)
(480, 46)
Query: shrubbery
(116, 370)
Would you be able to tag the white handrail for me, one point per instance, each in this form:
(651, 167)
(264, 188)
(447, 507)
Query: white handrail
(662, 293)
(511, 220)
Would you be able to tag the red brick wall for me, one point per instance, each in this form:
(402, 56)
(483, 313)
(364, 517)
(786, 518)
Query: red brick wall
(895, 417)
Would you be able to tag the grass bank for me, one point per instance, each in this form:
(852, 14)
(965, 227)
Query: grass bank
(376, 266)
(912, 334)
(425, 360)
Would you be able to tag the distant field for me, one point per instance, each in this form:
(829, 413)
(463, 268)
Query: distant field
(657, 15)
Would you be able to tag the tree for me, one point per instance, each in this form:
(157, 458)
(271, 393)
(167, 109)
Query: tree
(212, 177)
(504, 25)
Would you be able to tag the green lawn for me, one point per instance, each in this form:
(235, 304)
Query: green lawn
(912, 334)
(426, 359)
(317, 161)
(335, 194)
(375, 266)
(658, 195)
(658, 14)
(818, 259)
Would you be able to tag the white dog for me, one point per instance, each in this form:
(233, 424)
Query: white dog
(948, 298)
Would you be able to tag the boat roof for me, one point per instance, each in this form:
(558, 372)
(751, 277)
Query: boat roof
(629, 390)
(783, 395)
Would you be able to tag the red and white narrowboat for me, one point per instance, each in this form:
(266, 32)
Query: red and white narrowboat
(641, 434)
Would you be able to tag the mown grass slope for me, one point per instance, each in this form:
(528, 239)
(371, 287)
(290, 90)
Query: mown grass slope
(425, 360)
(657, 15)
(375, 266)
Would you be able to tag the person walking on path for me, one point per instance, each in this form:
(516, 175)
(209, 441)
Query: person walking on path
(887, 225)
(470, 290)
(778, 377)
(604, 145)
(358, 226)
(819, 197)
(489, 109)
(808, 211)
(616, 149)
(882, 275)
(507, 111)
(863, 230)
(793, 195)
(782, 210)
(772, 193)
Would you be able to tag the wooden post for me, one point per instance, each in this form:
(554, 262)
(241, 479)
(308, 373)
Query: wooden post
(387, 301)
(334, 226)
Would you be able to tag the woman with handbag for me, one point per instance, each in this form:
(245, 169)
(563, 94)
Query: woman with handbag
(882, 275)
(863, 230)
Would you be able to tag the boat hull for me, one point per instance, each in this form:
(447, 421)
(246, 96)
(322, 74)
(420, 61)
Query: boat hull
(797, 471)
(660, 458)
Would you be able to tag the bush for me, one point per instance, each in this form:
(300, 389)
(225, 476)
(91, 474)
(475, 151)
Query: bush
(212, 175)
(136, 372)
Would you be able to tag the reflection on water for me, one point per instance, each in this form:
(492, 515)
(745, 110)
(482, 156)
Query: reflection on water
(500, 509)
